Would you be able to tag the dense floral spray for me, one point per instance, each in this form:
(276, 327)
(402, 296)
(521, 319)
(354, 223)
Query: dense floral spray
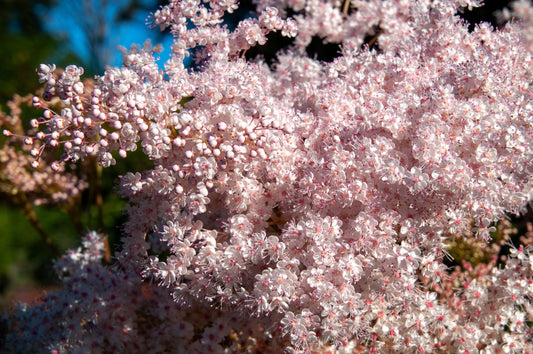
(301, 206)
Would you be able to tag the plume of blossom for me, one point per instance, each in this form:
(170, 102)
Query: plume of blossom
(101, 307)
(317, 196)
(43, 183)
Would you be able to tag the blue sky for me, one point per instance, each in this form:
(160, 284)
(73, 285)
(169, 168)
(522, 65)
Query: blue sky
(64, 21)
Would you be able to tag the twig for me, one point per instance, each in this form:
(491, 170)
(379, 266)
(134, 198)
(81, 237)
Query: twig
(29, 213)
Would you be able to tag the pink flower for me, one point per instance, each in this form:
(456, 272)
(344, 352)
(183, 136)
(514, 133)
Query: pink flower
(315, 196)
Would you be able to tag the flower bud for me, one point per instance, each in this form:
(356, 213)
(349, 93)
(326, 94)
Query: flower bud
(78, 87)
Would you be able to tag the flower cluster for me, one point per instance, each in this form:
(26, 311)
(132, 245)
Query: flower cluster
(99, 308)
(21, 178)
(313, 199)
